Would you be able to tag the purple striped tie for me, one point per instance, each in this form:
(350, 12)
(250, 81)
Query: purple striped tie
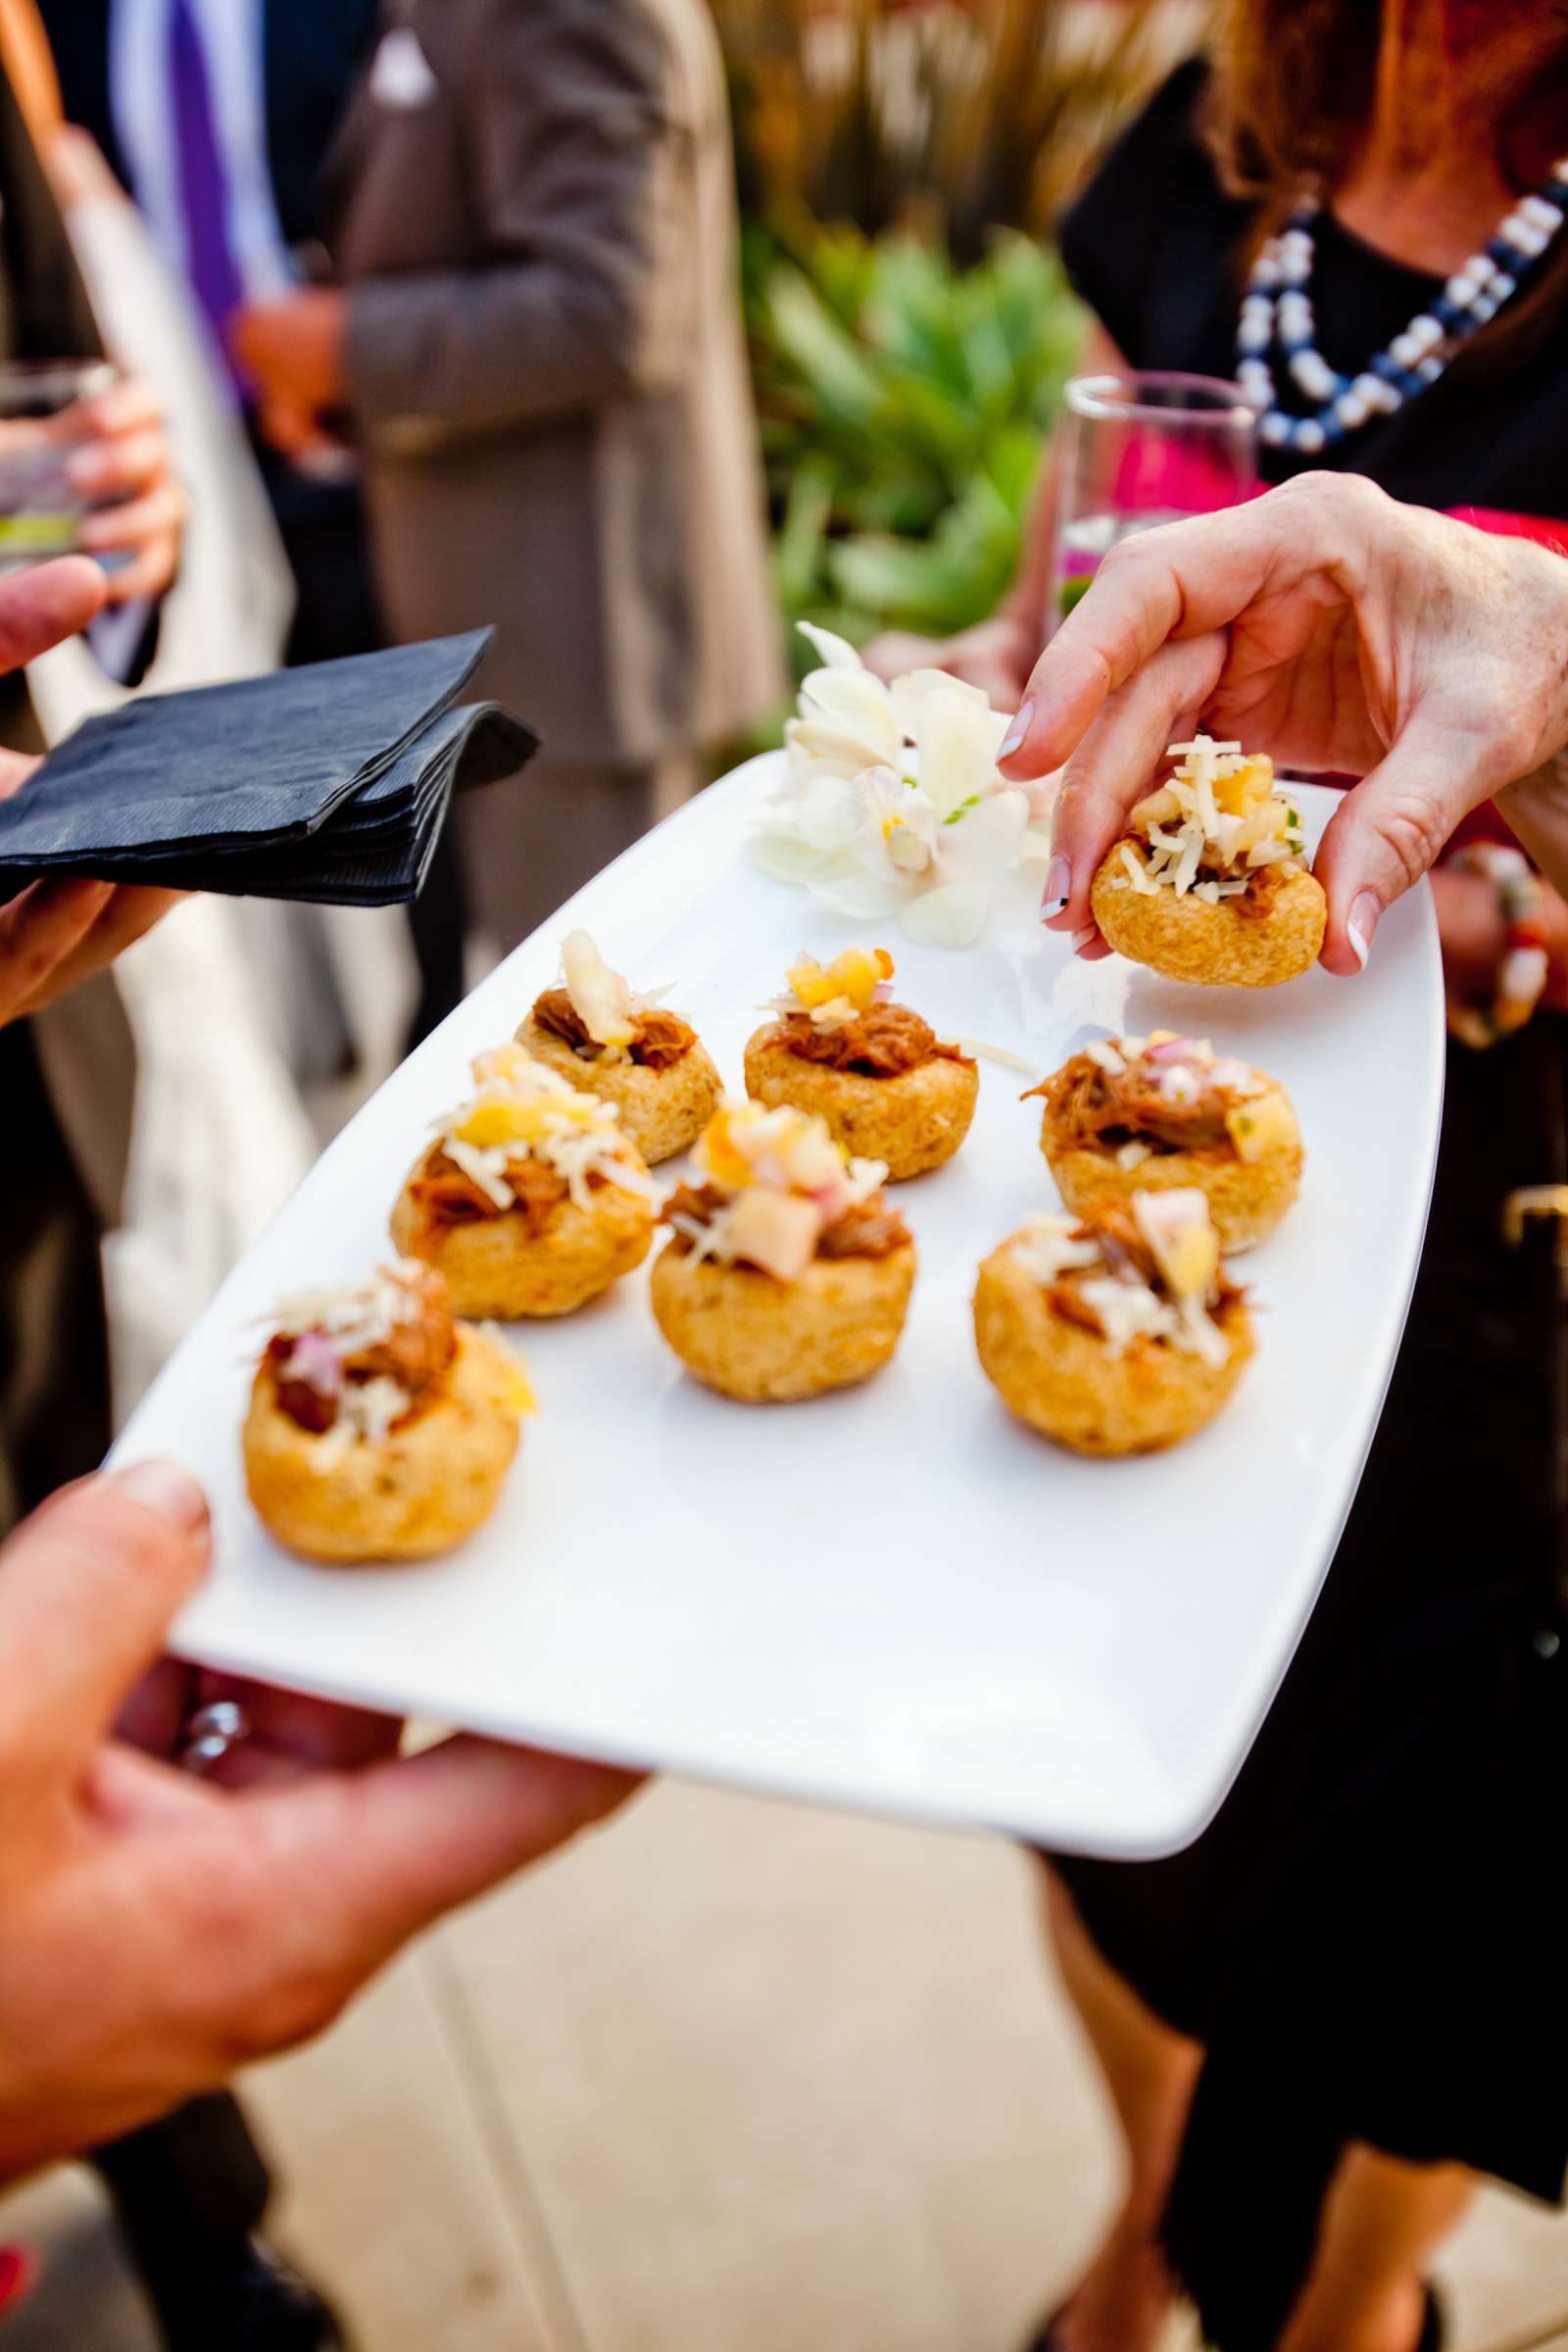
(203, 181)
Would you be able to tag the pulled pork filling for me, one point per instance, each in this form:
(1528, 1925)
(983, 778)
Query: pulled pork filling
(1095, 1108)
(661, 1037)
(1124, 1252)
(1263, 882)
(416, 1356)
(1263, 886)
(445, 1195)
(870, 1229)
(882, 1041)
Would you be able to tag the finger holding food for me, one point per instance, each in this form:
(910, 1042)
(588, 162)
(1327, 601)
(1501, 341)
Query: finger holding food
(887, 1086)
(594, 1031)
(1116, 1333)
(529, 1200)
(786, 1273)
(1209, 883)
(380, 1428)
(1166, 1113)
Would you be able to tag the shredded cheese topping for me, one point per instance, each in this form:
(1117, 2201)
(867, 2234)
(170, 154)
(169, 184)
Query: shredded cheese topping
(523, 1110)
(1218, 809)
(1181, 1237)
(328, 1326)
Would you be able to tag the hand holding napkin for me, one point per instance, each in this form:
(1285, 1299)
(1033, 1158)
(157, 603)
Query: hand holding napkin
(329, 782)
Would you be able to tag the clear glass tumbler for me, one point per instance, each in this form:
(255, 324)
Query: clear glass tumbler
(1142, 449)
(40, 509)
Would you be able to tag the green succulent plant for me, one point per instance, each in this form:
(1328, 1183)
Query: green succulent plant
(911, 325)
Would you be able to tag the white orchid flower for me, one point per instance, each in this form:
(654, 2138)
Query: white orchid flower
(938, 875)
(853, 824)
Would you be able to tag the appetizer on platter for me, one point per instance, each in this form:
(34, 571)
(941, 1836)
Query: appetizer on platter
(1163, 1113)
(625, 1048)
(884, 1083)
(786, 1272)
(530, 1201)
(1210, 882)
(378, 1428)
(1119, 1334)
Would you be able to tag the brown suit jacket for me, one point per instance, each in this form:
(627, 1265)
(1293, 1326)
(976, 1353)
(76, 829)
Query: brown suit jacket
(545, 357)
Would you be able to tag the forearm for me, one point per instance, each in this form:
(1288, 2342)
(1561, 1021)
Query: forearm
(459, 353)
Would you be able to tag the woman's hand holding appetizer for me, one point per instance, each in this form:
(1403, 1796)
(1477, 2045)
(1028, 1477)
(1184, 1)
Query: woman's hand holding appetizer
(1346, 633)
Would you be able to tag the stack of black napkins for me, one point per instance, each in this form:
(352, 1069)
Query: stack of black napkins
(331, 782)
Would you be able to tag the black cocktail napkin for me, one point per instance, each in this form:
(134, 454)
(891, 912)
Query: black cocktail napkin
(330, 783)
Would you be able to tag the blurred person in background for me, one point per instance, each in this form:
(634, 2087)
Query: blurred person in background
(190, 2191)
(1310, 2020)
(217, 116)
(538, 342)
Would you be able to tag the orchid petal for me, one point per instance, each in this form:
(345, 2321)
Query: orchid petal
(952, 916)
(826, 811)
(855, 705)
(910, 693)
(953, 734)
(817, 750)
(986, 839)
(786, 859)
(833, 652)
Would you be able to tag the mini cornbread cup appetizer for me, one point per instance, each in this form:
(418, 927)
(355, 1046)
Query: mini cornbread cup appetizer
(378, 1428)
(786, 1273)
(1119, 1334)
(530, 1201)
(1165, 1113)
(1209, 883)
(881, 1078)
(626, 1050)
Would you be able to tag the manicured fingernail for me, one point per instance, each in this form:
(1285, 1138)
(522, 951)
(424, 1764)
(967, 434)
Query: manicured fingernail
(1081, 938)
(1016, 732)
(168, 1490)
(1059, 887)
(84, 470)
(1363, 922)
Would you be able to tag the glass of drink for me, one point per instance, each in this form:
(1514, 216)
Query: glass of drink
(40, 509)
(1139, 450)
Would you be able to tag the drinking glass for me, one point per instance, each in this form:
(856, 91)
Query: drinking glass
(1143, 449)
(40, 510)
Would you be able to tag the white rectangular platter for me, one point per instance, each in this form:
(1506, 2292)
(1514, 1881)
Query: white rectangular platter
(896, 1597)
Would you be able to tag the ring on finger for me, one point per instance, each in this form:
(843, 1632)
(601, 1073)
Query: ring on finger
(212, 1733)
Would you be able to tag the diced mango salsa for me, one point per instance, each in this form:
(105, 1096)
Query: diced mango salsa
(1240, 794)
(721, 1156)
(516, 1394)
(1263, 1123)
(857, 974)
(497, 1119)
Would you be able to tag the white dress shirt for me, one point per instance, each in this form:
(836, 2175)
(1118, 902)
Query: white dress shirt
(231, 32)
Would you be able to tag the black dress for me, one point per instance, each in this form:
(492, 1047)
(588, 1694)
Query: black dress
(1367, 1938)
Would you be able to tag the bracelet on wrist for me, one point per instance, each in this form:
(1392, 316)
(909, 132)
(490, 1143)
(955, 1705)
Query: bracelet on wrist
(1523, 964)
